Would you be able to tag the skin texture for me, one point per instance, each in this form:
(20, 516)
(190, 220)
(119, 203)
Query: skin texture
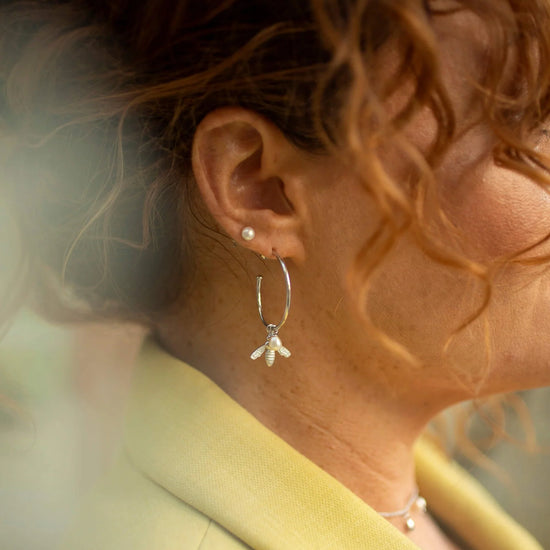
(344, 399)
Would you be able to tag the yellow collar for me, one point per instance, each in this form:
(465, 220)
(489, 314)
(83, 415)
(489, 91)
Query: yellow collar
(190, 437)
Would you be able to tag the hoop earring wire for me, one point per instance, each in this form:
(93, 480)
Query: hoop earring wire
(288, 296)
(273, 342)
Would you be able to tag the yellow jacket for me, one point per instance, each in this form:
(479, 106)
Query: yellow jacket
(198, 472)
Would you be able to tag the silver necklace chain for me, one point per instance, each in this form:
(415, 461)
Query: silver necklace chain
(415, 500)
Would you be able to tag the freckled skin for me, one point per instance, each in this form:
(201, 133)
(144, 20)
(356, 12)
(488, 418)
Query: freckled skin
(495, 213)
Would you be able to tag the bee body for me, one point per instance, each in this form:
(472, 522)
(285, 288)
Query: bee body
(273, 344)
(269, 357)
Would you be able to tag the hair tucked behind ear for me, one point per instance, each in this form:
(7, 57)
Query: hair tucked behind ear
(99, 101)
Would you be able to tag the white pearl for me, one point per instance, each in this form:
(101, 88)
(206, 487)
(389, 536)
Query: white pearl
(410, 524)
(248, 233)
(274, 343)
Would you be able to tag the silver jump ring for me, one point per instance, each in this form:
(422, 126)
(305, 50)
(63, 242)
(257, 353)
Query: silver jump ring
(274, 328)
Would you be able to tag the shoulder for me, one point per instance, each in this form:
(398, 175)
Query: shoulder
(129, 511)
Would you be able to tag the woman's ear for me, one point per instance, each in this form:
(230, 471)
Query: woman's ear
(250, 175)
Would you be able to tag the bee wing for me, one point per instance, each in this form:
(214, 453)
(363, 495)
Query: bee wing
(258, 352)
(284, 352)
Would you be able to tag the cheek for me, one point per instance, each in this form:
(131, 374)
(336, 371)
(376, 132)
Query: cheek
(499, 212)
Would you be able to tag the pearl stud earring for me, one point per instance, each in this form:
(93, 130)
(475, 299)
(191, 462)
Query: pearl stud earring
(248, 233)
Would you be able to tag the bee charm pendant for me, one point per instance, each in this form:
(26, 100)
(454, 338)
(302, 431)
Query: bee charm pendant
(272, 344)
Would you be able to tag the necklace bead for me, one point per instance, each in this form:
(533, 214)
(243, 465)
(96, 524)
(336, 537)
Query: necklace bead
(421, 504)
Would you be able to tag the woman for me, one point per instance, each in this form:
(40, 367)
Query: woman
(381, 164)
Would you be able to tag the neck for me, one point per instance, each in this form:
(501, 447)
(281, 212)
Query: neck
(354, 429)
(339, 399)
(357, 438)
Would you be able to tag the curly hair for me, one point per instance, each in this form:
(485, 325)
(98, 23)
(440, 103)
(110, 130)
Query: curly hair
(99, 101)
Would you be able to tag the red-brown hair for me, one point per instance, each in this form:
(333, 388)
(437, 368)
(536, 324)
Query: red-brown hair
(99, 101)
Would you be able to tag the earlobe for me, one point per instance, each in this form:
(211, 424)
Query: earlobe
(243, 169)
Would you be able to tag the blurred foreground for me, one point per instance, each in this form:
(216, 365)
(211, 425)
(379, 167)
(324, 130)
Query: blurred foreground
(62, 395)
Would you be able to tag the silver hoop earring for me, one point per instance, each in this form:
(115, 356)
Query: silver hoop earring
(273, 342)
